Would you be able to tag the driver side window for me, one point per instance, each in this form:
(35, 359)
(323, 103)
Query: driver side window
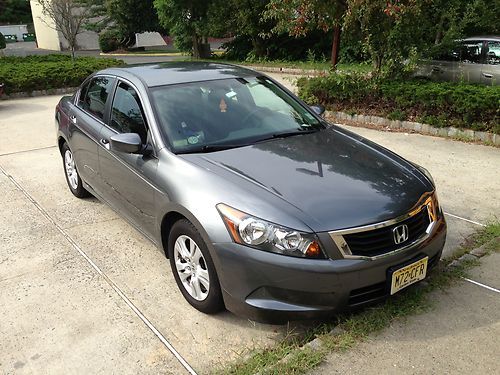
(127, 115)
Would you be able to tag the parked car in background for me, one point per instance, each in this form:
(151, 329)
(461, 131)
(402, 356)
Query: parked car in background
(474, 60)
(260, 204)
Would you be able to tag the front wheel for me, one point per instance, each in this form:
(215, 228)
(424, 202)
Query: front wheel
(193, 268)
(72, 177)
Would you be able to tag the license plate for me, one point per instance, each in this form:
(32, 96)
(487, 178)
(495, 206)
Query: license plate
(408, 275)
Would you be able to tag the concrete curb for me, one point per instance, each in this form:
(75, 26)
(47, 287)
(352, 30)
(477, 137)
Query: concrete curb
(294, 71)
(317, 345)
(35, 93)
(417, 127)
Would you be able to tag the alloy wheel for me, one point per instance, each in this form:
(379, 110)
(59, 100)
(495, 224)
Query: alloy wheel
(191, 267)
(69, 164)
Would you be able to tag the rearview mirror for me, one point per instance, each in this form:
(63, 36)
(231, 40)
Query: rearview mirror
(129, 143)
(319, 109)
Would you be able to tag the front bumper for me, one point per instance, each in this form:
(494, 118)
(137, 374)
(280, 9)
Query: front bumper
(275, 288)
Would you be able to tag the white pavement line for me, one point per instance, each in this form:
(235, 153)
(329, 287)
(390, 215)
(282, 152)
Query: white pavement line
(118, 291)
(22, 151)
(482, 285)
(464, 219)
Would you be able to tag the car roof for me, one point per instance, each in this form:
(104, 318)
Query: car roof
(490, 38)
(169, 73)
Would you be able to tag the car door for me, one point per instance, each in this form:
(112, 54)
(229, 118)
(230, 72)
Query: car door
(471, 61)
(129, 178)
(490, 74)
(443, 68)
(86, 120)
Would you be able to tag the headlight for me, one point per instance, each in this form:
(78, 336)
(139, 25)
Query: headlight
(261, 234)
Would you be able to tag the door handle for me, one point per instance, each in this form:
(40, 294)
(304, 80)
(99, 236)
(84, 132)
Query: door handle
(487, 75)
(436, 69)
(73, 119)
(105, 143)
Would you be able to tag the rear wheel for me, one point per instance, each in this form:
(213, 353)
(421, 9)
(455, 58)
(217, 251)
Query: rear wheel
(72, 177)
(193, 268)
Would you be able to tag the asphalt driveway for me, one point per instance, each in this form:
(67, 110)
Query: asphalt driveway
(81, 290)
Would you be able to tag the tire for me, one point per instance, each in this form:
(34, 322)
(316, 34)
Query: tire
(73, 179)
(193, 268)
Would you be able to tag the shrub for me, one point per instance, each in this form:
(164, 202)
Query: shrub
(2, 41)
(436, 103)
(26, 74)
(109, 40)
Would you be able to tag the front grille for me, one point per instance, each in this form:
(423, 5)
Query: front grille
(380, 241)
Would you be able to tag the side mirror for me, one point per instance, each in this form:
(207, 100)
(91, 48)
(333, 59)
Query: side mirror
(319, 109)
(129, 143)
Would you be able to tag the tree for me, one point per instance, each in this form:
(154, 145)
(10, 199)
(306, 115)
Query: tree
(188, 20)
(15, 11)
(243, 18)
(68, 18)
(391, 30)
(298, 17)
(123, 17)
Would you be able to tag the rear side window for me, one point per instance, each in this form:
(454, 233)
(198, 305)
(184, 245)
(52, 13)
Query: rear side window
(94, 96)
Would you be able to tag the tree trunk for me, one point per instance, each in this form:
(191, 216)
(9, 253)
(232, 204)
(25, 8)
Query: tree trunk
(335, 46)
(196, 47)
(72, 52)
(377, 62)
(439, 31)
(259, 48)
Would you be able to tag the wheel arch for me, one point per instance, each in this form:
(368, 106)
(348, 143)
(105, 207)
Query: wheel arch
(176, 213)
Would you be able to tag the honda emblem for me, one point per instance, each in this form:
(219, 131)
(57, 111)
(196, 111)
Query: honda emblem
(400, 234)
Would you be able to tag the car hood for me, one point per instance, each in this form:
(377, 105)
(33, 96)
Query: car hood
(333, 178)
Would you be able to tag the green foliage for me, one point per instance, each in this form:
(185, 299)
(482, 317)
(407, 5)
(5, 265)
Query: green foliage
(123, 17)
(26, 74)
(189, 21)
(109, 40)
(2, 41)
(437, 103)
(243, 18)
(15, 12)
(298, 17)
(280, 47)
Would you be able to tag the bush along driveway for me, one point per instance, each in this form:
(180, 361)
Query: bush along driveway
(439, 104)
(41, 73)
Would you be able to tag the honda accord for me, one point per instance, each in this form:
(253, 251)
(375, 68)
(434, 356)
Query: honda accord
(260, 204)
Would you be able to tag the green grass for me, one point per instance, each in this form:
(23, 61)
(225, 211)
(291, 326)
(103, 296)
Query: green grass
(291, 357)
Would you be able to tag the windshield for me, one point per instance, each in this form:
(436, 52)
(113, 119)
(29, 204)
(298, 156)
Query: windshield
(213, 115)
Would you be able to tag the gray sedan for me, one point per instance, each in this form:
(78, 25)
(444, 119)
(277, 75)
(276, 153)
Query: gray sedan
(261, 206)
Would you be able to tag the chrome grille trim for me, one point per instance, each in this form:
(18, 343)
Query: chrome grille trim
(427, 200)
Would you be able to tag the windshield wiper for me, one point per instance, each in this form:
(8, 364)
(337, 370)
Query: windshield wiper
(209, 148)
(288, 134)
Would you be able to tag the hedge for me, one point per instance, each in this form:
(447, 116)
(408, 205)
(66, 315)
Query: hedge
(26, 74)
(109, 41)
(439, 104)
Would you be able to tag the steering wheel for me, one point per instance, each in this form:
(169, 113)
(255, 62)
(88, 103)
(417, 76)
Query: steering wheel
(264, 111)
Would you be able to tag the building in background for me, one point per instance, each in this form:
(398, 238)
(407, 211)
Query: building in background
(17, 30)
(49, 38)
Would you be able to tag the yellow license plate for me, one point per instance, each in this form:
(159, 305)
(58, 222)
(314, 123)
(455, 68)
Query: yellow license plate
(408, 275)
